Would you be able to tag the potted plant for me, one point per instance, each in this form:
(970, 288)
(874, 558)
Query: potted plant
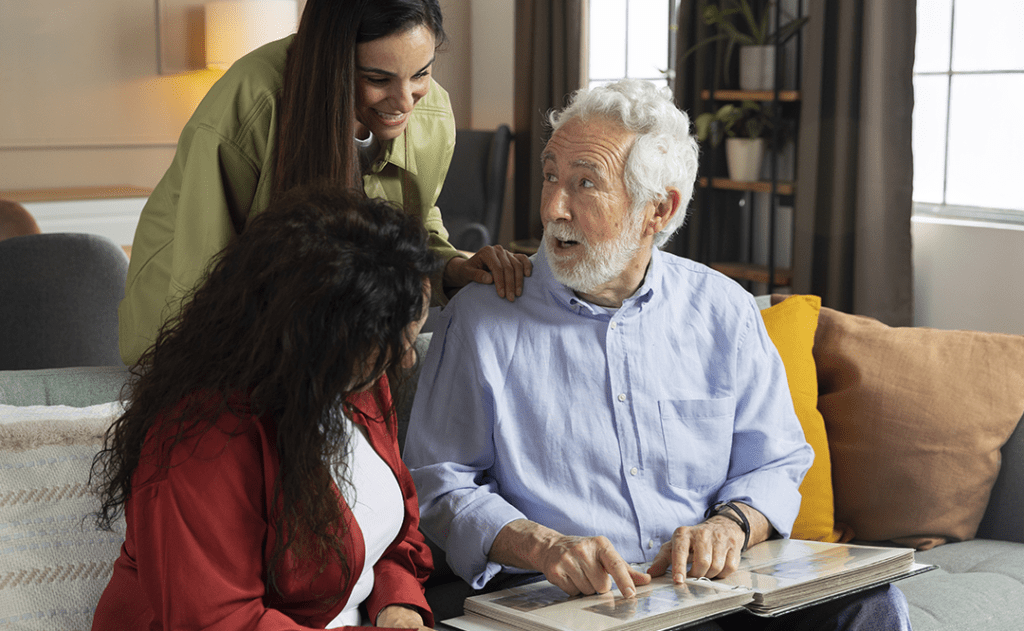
(752, 32)
(743, 127)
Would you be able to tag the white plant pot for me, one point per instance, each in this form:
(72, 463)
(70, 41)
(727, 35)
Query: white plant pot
(757, 67)
(743, 157)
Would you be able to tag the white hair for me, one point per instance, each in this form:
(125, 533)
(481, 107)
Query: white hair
(664, 153)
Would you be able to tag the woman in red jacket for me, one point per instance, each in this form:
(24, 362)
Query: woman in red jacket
(256, 462)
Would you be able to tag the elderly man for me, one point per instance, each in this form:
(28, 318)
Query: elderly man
(630, 406)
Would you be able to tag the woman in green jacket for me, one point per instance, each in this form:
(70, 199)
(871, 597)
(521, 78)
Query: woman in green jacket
(348, 99)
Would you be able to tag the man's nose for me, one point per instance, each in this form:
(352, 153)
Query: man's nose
(555, 206)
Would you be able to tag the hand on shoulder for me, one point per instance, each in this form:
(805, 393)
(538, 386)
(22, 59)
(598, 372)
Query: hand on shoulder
(492, 264)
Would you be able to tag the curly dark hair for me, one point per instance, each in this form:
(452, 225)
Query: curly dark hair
(311, 304)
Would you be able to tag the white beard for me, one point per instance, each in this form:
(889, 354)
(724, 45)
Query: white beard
(598, 264)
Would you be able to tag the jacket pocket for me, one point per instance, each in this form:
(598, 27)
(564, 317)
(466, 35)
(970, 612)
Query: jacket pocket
(698, 441)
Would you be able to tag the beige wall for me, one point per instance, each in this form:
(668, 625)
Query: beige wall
(82, 102)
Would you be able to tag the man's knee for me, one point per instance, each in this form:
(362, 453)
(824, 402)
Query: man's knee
(883, 608)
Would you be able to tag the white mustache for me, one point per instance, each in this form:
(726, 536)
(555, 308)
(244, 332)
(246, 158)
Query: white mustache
(564, 232)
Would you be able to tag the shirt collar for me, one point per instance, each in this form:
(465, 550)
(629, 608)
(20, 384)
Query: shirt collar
(568, 299)
(399, 152)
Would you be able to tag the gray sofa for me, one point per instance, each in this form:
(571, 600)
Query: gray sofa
(979, 584)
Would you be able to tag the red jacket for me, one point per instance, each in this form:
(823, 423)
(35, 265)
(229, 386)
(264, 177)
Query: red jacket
(199, 538)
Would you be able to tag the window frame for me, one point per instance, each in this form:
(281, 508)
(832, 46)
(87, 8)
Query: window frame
(668, 75)
(944, 209)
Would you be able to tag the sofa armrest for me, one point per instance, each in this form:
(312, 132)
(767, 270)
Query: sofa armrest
(1004, 517)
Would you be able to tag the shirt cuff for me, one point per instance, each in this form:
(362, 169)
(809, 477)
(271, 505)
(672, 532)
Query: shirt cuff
(471, 536)
(773, 494)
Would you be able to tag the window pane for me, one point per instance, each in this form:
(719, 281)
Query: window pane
(987, 35)
(930, 98)
(648, 38)
(607, 55)
(934, 20)
(985, 143)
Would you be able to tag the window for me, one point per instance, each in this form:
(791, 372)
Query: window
(622, 44)
(968, 89)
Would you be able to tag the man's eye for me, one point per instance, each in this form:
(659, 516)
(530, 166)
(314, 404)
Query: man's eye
(585, 183)
(550, 177)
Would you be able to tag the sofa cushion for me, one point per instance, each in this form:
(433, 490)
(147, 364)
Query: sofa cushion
(1004, 517)
(791, 325)
(977, 586)
(79, 387)
(915, 418)
(54, 563)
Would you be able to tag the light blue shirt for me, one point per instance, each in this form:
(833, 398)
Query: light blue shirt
(624, 422)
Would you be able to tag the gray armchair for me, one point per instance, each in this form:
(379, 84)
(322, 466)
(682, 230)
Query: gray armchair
(472, 195)
(58, 301)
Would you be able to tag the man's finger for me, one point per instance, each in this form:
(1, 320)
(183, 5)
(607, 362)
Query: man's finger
(619, 571)
(680, 554)
(702, 557)
(662, 561)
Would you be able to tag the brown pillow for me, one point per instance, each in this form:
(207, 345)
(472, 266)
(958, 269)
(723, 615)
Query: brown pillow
(915, 420)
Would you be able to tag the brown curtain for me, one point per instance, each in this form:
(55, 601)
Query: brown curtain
(851, 237)
(548, 67)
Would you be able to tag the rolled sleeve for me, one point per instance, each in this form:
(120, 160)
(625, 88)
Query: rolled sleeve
(449, 450)
(769, 454)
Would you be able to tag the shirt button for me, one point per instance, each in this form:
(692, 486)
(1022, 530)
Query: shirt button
(650, 544)
(622, 397)
(634, 471)
(613, 325)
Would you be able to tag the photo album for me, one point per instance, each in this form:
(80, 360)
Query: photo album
(774, 577)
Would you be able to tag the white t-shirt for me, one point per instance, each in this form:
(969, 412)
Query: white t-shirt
(378, 508)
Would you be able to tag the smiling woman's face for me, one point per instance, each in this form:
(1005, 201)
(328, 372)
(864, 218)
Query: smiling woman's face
(392, 74)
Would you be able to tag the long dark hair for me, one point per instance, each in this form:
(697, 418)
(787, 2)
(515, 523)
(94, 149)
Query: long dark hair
(309, 305)
(317, 122)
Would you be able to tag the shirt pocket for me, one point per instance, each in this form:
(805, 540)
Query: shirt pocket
(698, 441)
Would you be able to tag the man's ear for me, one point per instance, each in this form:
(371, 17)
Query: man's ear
(664, 211)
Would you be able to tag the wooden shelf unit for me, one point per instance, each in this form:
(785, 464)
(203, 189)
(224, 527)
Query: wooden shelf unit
(716, 187)
(753, 272)
(762, 186)
(785, 96)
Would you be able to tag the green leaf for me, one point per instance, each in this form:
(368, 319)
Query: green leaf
(702, 123)
(788, 30)
(757, 33)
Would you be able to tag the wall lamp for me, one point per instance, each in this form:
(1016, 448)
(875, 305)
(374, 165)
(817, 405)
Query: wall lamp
(192, 36)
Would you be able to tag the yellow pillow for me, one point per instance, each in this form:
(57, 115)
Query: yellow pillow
(791, 325)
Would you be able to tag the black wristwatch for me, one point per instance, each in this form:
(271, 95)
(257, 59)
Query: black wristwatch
(734, 513)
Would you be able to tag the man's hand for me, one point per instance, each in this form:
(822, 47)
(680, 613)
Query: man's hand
(577, 565)
(399, 617)
(588, 565)
(491, 264)
(711, 548)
